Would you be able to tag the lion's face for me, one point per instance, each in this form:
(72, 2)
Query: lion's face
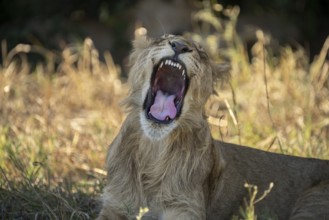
(170, 78)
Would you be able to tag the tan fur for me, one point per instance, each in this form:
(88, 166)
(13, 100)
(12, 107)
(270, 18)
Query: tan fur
(179, 172)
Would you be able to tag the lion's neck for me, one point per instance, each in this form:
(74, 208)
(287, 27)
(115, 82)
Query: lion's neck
(185, 156)
(188, 136)
(163, 160)
(181, 141)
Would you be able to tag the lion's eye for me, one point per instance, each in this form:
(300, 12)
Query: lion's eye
(185, 50)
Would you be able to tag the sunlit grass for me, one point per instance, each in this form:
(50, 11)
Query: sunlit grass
(56, 120)
(278, 103)
(55, 127)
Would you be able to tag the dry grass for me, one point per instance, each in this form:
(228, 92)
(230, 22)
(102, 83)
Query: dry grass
(57, 119)
(55, 127)
(277, 103)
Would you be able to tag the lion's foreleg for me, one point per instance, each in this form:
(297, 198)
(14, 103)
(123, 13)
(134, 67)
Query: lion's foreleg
(108, 214)
(116, 207)
(188, 207)
(121, 195)
(170, 214)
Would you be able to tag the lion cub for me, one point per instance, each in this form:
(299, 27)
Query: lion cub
(164, 157)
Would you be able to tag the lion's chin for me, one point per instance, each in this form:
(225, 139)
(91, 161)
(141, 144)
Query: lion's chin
(155, 131)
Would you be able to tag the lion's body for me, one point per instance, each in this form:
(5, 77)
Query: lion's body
(292, 177)
(178, 171)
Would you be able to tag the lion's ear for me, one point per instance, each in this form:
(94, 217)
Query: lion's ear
(221, 71)
(139, 45)
(142, 42)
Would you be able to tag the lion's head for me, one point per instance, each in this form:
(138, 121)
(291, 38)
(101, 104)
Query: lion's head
(171, 78)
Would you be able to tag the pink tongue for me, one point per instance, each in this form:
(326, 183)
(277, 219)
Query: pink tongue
(163, 106)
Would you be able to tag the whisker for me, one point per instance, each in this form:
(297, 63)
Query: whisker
(162, 26)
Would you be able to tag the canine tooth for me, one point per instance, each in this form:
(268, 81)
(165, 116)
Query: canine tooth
(161, 64)
(183, 73)
(167, 118)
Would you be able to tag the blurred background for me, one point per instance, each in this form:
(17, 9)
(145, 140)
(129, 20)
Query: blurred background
(111, 24)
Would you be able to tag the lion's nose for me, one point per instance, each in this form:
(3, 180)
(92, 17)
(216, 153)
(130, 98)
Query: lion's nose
(179, 47)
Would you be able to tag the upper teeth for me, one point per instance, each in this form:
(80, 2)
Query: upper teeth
(171, 63)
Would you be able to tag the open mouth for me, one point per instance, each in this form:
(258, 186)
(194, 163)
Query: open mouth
(169, 83)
